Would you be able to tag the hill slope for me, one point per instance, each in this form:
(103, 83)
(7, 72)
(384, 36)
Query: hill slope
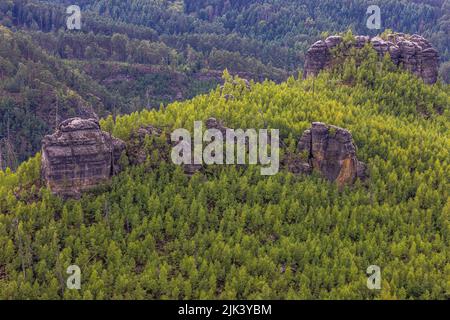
(232, 233)
(132, 54)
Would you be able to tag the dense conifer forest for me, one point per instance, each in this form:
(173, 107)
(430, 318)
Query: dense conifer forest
(230, 233)
(134, 55)
(226, 232)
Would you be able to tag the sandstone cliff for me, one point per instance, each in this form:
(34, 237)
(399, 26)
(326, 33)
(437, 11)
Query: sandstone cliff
(331, 151)
(79, 156)
(414, 53)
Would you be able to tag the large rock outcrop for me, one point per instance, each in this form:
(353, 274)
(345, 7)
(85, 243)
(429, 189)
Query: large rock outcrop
(331, 151)
(414, 53)
(79, 156)
(328, 149)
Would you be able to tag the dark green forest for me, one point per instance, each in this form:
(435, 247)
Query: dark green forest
(226, 232)
(230, 233)
(141, 54)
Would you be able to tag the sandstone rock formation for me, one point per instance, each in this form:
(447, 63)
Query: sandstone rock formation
(79, 156)
(331, 151)
(414, 53)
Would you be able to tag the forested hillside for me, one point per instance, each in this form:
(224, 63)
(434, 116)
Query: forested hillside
(227, 232)
(230, 233)
(130, 55)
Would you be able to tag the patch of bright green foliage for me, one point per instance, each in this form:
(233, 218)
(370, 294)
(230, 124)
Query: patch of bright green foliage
(234, 234)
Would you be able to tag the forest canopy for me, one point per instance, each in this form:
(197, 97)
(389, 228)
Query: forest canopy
(141, 54)
(230, 233)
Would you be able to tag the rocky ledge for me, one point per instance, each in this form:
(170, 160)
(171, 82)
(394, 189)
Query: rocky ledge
(413, 52)
(79, 156)
(331, 151)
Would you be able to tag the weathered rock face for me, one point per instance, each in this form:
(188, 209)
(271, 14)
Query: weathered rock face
(79, 156)
(326, 148)
(414, 53)
(331, 151)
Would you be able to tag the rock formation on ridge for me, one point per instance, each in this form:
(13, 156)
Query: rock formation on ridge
(414, 53)
(331, 151)
(79, 156)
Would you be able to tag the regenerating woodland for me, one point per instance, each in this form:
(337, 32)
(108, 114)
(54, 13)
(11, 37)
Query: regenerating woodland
(133, 55)
(231, 233)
